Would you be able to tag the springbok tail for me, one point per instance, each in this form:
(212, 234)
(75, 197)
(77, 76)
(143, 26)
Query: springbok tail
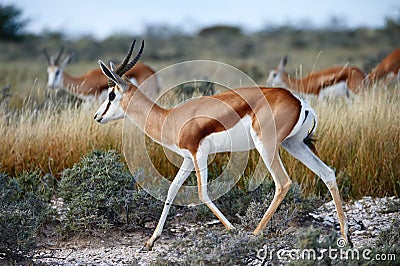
(310, 139)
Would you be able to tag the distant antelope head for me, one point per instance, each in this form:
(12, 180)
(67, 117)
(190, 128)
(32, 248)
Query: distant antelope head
(118, 84)
(55, 69)
(275, 76)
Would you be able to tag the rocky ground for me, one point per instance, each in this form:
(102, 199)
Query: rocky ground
(367, 217)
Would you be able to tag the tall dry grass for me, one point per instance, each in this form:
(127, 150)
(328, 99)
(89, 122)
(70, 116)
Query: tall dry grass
(50, 139)
(359, 138)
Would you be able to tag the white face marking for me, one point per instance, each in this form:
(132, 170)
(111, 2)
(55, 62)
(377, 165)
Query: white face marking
(110, 109)
(54, 77)
(275, 79)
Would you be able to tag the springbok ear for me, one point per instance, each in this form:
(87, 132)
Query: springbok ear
(106, 71)
(283, 62)
(68, 59)
(113, 67)
(114, 77)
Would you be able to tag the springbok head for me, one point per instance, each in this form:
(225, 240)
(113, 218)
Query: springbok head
(275, 75)
(55, 68)
(118, 84)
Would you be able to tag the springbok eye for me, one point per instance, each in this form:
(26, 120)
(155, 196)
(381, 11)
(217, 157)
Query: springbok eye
(111, 96)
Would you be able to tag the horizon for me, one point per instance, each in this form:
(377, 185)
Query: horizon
(190, 17)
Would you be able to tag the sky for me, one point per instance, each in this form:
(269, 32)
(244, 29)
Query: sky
(102, 18)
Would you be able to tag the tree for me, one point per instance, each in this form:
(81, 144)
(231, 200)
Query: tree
(392, 28)
(11, 22)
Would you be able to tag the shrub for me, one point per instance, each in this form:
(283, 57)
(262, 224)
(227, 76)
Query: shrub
(390, 237)
(22, 212)
(143, 208)
(34, 182)
(387, 245)
(99, 193)
(294, 207)
(213, 248)
(95, 191)
(310, 240)
(233, 204)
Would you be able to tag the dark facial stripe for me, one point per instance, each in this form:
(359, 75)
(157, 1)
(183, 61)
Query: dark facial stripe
(108, 106)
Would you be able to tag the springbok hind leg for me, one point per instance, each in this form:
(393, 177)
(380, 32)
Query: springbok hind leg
(298, 149)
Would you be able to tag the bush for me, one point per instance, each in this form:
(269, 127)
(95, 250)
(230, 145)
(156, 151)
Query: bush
(33, 182)
(213, 248)
(310, 239)
(390, 237)
(291, 211)
(95, 192)
(22, 212)
(100, 193)
(233, 205)
(387, 244)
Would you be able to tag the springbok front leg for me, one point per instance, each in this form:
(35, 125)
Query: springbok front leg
(200, 164)
(183, 173)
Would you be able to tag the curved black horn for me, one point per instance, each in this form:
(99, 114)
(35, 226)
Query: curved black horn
(124, 66)
(134, 61)
(46, 54)
(57, 61)
(119, 70)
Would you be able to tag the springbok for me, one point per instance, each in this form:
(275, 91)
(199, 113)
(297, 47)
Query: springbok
(389, 67)
(334, 81)
(235, 120)
(92, 86)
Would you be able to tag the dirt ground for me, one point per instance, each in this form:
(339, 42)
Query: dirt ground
(367, 218)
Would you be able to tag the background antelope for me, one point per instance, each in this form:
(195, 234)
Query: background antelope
(236, 120)
(388, 68)
(334, 81)
(93, 84)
